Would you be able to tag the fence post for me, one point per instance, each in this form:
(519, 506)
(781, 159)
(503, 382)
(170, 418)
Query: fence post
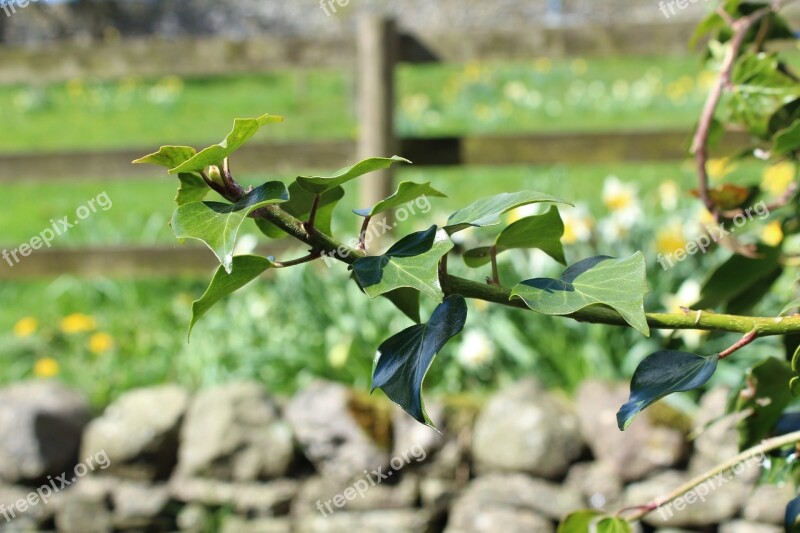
(378, 45)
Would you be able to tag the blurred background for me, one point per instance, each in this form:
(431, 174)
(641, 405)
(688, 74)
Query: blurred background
(592, 102)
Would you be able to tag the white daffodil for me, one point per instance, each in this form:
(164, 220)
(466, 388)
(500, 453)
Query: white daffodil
(475, 350)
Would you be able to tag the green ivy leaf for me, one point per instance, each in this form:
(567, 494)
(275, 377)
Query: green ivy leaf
(541, 231)
(299, 206)
(407, 301)
(617, 283)
(320, 184)
(788, 140)
(487, 211)
(791, 306)
(243, 131)
(736, 275)
(768, 397)
(168, 156)
(407, 192)
(792, 516)
(217, 224)
(411, 262)
(663, 373)
(192, 189)
(402, 361)
(246, 268)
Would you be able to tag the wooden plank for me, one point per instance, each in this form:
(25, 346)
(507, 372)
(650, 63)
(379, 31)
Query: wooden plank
(122, 262)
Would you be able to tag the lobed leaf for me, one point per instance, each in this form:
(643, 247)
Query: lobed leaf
(663, 373)
(487, 211)
(243, 130)
(412, 262)
(402, 361)
(620, 284)
(193, 188)
(245, 268)
(217, 224)
(168, 156)
(321, 184)
(543, 232)
(407, 192)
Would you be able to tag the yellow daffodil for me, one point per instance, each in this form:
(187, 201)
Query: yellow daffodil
(617, 195)
(772, 234)
(577, 225)
(46, 368)
(668, 193)
(670, 239)
(100, 342)
(26, 327)
(78, 323)
(473, 71)
(777, 178)
(719, 168)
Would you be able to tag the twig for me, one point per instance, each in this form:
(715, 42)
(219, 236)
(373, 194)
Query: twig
(315, 254)
(756, 451)
(214, 185)
(741, 343)
(362, 235)
(312, 216)
(227, 178)
(495, 272)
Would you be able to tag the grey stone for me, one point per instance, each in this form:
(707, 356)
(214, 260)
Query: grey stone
(717, 439)
(12, 513)
(234, 433)
(363, 497)
(493, 519)
(330, 435)
(137, 504)
(641, 449)
(767, 503)
(526, 429)
(742, 526)
(516, 492)
(81, 513)
(711, 503)
(409, 436)
(598, 482)
(41, 423)
(437, 494)
(266, 499)
(193, 518)
(139, 432)
(405, 521)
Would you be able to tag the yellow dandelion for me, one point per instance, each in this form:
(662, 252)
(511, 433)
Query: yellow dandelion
(543, 65)
(705, 80)
(100, 342)
(772, 234)
(78, 323)
(686, 83)
(473, 71)
(777, 178)
(46, 368)
(579, 66)
(670, 239)
(172, 83)
(26, 327)
(675, 92)
(719, 168)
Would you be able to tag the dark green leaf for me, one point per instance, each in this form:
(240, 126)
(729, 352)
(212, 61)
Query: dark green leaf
(217, 224)
(168, 156)
(407, 192)
(192, 189)
(792, 517)
(617, 283)
(246, 268)
(320, 184)
(788, 140)
(791, 306)
(736, 276)
(299, 206)
(487, 211)
(243, 130)
(663, 373)
(768, 395)
(407, 301)
(403, 360)
(412, 262)
(542, 231)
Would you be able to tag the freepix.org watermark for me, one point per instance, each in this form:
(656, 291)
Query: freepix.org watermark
(10, 6)
(701, 491)
(714, 235)
(56, 484)
(380, 227)
(329, 6)
(670, 8)
(370, 479)
(57, 228)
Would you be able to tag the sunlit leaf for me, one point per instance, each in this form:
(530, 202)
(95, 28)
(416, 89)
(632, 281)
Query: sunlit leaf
(663, 373)
(243, 130)
(406, 193)
(246, 268)
(217, 224)
(788, 140)
(403, 360)
(192, 189)
(320, 184)
(168, 156)
(411, 262)
(487, 211)
(617, 283)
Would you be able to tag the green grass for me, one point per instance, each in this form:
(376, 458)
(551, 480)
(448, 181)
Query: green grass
(541, 95)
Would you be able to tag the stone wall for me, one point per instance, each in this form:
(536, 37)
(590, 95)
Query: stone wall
(235, 459)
